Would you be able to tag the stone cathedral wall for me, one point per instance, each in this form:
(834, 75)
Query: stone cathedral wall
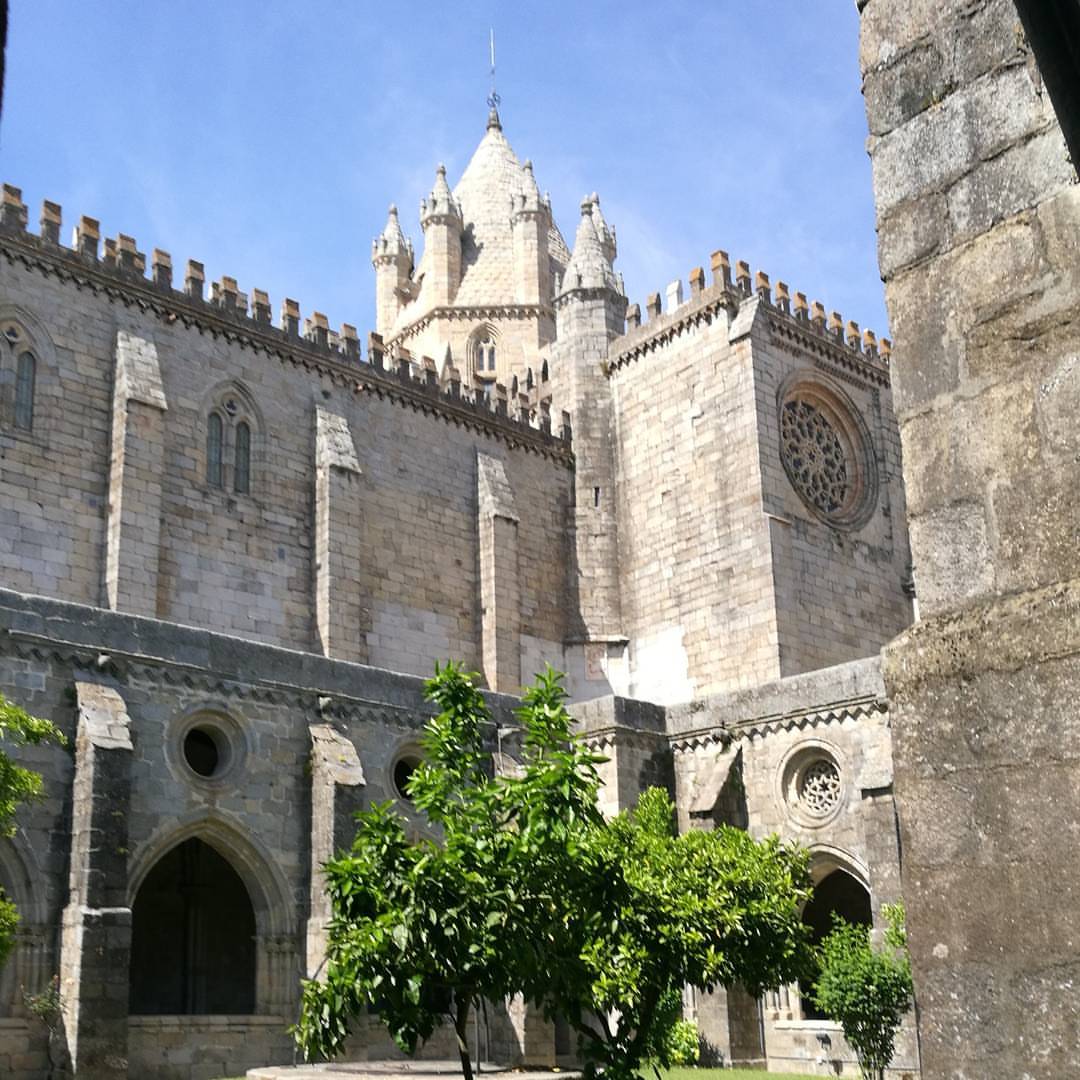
(281, 801)
(358, 536)
(729, 575)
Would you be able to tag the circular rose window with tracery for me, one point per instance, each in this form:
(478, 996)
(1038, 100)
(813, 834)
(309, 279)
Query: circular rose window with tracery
(810, 783)
(815, 456)
(819, 787)
(826, 451)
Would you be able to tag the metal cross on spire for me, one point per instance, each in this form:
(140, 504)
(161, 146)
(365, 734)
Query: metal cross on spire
(493, 98)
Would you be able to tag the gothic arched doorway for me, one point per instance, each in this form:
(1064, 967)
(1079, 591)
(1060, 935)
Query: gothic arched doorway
(192, 937)
(836, 894)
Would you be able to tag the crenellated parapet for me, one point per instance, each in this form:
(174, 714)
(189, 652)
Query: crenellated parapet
(791, 317)
(117, 269)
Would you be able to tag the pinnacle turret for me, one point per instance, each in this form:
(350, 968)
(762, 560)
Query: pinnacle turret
(605, 231)
(590, 265)
(440, 205)
(391, 243)
(528, 200)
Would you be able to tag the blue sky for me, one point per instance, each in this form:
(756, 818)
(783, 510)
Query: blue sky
(267, 139)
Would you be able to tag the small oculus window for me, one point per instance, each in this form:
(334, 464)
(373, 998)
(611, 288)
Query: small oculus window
(206, 751)
(403, 771)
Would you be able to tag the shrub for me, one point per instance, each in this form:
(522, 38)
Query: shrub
(866, 990)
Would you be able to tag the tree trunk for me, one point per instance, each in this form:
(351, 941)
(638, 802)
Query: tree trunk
(461, 1025)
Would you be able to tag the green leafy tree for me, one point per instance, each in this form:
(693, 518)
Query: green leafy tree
(705, 909)
(425, 930)
(866, 990)
(673, 1041)
(17, 785)
(528, 890)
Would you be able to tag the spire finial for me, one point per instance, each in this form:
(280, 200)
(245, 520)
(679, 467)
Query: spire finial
(493, 98)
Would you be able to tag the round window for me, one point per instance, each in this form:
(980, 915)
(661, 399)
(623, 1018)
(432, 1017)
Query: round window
(817, 460)
(811, 784)
(819, 787)
(826, 452)
(404, 768)
(206, 750)
(207, 746)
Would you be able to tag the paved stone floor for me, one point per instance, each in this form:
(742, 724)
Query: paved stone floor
(399, 1070)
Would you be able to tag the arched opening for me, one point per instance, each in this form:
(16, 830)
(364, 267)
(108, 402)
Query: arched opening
(242, 467)
(29, 965)
(25, 375)
(213, 449)
(192, 937)
(838, 893)
(482, 344)
(8, 976)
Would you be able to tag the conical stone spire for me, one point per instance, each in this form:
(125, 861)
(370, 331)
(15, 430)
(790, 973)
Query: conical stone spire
(391, 242)
(529, 197)
(603, 230)
(441, 202)
(589, 266)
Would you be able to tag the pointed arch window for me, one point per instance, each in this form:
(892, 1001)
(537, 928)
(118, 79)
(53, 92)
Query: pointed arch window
(25, 376)
(242, 464)
(233, 440)
(482, 343)
(486, 356)
(214, 432)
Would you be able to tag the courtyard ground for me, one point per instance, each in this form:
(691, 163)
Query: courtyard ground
(699, 1074)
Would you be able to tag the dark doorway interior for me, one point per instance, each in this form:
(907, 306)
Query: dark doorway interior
(192, 937)
(838, 894)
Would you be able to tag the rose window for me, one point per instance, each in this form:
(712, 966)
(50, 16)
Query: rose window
(815, 457)
(819, 787)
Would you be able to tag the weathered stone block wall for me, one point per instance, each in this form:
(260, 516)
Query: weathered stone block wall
(737, 759)
(977, 210)
(979, 226)
(839, 588)
(245, 563)
(727, 577)
(256, 810)
(695, 564)
(588, 320)
(631, 735)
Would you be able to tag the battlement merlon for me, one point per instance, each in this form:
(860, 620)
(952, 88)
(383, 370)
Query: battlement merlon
(730, 292)
(121, 274)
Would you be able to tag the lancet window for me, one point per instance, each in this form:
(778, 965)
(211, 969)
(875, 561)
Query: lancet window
(231, 437)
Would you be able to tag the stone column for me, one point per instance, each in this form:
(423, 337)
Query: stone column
(978, 226)
(520, 1035)
(500, 606)
(337, 782)
(341, 621)
(133, 529)
(95, 948)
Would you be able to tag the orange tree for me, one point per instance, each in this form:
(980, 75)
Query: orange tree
(529, 890)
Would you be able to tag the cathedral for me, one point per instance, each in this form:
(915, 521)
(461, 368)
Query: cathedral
(232, 547)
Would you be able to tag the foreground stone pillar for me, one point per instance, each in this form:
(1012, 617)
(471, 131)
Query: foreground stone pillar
(95, 948)
(978, 228)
